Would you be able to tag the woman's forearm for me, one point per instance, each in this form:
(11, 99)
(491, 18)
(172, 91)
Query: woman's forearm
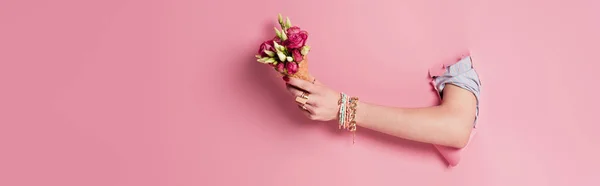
(446, 124)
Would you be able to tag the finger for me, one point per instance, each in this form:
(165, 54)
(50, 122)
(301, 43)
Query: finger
(308, 108)
(308, 113)
(302, 84)
(298, 93)
(305, 111)
(294, 91)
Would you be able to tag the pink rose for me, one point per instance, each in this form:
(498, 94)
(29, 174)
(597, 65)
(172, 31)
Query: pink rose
(293, 30)
(280, 67)
(276, 39)
(291, 67)
(267, 45)
(296, 38)
(297, 55)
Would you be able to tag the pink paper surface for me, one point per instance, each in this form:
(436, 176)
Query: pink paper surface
(157, 92)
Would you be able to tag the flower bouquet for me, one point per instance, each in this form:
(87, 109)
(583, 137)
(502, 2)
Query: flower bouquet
(286, 52)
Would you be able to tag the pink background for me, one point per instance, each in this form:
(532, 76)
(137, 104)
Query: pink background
(150, 92)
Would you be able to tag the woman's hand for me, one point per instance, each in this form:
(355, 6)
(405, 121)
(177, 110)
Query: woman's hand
(322, 101)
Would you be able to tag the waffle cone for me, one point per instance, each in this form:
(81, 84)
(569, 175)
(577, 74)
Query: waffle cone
(303, 71)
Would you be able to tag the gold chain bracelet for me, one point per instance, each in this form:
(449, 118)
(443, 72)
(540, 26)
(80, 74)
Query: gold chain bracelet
(347, 114)
(352, 124)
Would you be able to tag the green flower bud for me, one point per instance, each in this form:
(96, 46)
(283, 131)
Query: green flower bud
(288, 23)
(270, 60)
(258, 56)
(277, 32)
(281, 56)
(280, 19)
(263, 60)
(277, 46)
(305, 50)
(283, 49)
(270, 53)
(284, 37)
(290, 59)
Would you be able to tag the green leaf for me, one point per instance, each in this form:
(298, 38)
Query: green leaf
(305, 50)
(290, 59)
(281, 56)
(270, 53)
